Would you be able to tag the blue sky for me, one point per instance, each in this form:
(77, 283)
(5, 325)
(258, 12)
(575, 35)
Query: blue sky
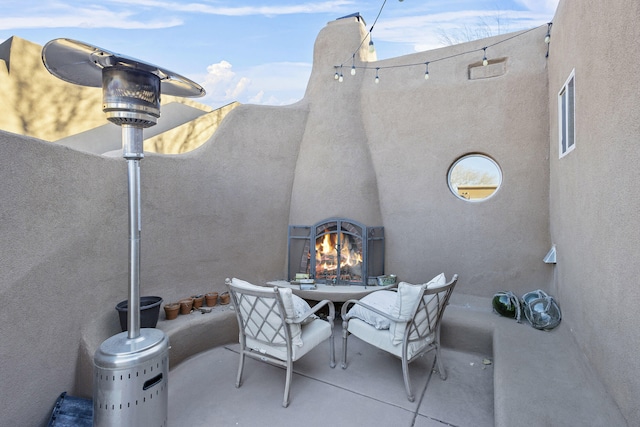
(257, 52)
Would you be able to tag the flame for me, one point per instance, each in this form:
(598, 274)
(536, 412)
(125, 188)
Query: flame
(327, 261)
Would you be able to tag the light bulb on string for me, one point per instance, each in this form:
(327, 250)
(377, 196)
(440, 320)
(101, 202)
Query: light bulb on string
(426, 73)
(377, 80)
(547, 37)
(372, 48)
(336, 76)
(353, 65)
(340, 78)
(485, 61)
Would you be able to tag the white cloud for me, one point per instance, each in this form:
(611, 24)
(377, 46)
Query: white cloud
(313, 7)
(223, 85)
(257, 99)
(265, 84)
(71, 16)
(425, 31)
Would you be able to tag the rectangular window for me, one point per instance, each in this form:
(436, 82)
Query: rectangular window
(566, 116)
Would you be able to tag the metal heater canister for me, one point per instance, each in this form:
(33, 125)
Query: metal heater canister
(131, 380)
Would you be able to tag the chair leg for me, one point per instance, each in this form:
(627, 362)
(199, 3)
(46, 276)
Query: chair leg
(407, 382)
(443, 373)
(332, 349)
(287, 384)
(345, 333)
(240, 368)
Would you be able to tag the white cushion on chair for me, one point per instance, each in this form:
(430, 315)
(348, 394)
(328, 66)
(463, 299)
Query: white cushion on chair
(382, 338)
(301, 307)
(406, 302)
(439, 280)
(313, 334)
(287, 301)
(382, 300)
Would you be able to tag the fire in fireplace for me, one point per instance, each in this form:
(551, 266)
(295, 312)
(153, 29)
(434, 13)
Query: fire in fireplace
(336, 251)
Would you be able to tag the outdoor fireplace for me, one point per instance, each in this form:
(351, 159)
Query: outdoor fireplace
(336, 251)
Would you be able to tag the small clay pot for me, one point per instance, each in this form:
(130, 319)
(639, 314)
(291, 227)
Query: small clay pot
(171, 310)
(225, 298)
(197, 301)
(211, 299)
(185, 305)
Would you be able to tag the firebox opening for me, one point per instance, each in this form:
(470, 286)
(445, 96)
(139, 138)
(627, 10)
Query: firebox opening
(337, 251)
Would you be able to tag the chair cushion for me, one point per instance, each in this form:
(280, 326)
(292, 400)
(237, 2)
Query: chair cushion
(382, 300)
(301, 307)
(406, 303)
(312, 334)
(382, 339)
(287, 301)
(439, 280)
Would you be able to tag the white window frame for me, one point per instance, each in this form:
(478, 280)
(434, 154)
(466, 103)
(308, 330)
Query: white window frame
(567, 116)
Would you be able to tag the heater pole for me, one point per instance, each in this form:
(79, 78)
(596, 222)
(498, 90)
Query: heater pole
(132, 150)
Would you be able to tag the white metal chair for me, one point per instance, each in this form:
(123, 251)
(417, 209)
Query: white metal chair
(405, 323)
(278, 327)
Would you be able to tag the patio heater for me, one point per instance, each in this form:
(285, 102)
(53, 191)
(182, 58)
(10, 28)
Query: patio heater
(130, 385)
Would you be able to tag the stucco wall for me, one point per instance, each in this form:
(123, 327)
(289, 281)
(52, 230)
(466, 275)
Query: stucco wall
(594, 208)
(62, 264)
(381, 152)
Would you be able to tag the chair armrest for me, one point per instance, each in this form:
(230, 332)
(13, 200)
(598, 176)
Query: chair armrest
(315, 309)
(345, 309)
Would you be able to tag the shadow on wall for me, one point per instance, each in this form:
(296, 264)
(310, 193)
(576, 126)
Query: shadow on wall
(37, 104)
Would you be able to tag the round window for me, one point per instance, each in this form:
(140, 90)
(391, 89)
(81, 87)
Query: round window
(474, 177)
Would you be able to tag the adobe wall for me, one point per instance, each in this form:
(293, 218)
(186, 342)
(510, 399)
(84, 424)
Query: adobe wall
(593, 205)
(64, 261)
(380, 154)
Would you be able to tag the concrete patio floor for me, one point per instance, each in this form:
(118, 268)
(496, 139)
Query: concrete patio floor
(370, 392)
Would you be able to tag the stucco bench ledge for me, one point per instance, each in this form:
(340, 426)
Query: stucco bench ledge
(540, 377)
(189, 334)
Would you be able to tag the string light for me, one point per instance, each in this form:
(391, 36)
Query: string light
(485, 60)
(547, 37)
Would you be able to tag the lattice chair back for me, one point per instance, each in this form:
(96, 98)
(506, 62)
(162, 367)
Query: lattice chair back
(428, 316)
(262, 316)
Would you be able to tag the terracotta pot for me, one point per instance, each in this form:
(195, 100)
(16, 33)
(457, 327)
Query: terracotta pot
(225, 298)
(185, 305)
(171, 310)
(197, 301)
(211, 298)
